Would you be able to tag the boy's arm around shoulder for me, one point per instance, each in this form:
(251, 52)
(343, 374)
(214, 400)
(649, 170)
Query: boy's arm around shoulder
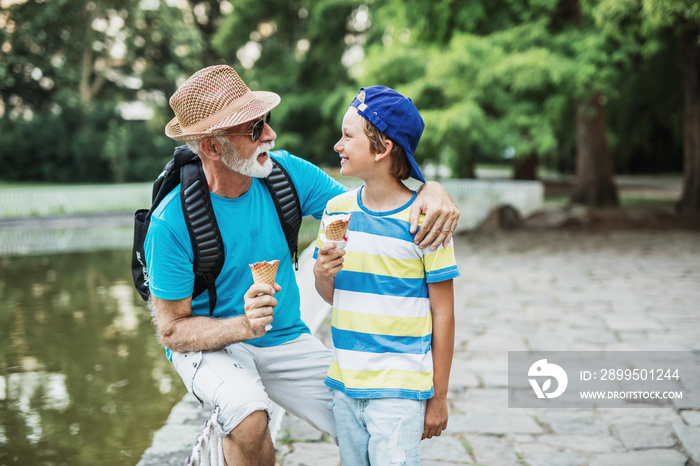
(442, 346)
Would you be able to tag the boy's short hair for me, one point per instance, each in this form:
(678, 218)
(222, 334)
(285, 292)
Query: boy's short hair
(395, 117)
(400, 167)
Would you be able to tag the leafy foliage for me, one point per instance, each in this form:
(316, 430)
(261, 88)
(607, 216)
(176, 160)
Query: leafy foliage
(490, 78)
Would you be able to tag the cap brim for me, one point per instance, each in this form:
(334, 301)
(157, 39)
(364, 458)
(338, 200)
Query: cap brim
(415, 170)
(262, 103)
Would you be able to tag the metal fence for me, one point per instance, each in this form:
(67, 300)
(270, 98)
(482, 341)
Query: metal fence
(81, 218)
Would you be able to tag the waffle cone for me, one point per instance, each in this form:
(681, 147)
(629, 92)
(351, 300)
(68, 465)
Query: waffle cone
(264, 272)
(335, 231)
(335, 226)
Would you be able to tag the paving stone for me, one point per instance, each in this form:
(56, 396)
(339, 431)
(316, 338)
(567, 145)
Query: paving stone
(640, 458)
(171, 445)
(573, 422)
(691, 417)
(487, 397)
(312, 454)
(494, 451)
(493, 423)
(532, 447)
(611, 416)
(642, 436)
(583, 443)
(488, 343)
(573, 428)
(689, 436)
(494, 379)
(620, 291)
(555, 459)
(444, 448)
(462, 376)
(298, 430)
(442, 463)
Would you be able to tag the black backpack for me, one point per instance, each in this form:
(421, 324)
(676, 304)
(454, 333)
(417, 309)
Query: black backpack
(186, 168)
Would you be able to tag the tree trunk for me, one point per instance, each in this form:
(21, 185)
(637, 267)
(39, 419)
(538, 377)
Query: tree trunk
(89, 86)
(525, 167)
(594, 184)
(690, 198)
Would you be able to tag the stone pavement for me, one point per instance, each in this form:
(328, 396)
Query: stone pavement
(563, 291)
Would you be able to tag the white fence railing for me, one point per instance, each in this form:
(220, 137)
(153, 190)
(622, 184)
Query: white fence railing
(73, 200)
(475, 199)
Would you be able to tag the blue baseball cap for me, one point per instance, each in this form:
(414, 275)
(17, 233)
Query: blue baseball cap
(395, 116)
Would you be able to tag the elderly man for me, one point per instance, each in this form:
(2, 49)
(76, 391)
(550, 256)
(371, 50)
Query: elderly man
(229, 358)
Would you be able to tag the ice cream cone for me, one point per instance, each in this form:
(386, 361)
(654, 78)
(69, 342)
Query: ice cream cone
(264, 272)
(336, 226)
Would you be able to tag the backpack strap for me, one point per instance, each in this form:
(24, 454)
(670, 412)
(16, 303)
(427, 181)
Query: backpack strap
(203, 228)
(166, 182)
(286, 199)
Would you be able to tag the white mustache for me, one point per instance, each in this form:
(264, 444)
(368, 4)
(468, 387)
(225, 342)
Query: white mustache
(266, 147)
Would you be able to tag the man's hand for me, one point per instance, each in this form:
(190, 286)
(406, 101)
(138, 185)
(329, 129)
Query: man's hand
(441, 216)
(259, 307)
(435, 417)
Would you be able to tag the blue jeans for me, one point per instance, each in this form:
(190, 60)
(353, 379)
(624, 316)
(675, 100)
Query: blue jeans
(378, 432)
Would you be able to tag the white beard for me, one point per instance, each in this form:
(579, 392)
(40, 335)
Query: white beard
(250, 166)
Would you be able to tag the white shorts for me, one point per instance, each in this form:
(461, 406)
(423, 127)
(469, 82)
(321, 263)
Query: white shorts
(242, 379)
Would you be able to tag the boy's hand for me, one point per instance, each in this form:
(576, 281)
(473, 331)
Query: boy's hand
(329, 261)
(435, 417)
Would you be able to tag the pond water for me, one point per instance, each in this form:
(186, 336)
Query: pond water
(83, 379)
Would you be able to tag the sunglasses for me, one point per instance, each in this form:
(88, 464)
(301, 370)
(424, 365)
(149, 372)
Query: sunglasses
(256, 130)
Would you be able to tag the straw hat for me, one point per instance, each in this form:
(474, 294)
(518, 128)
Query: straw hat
(213, 99)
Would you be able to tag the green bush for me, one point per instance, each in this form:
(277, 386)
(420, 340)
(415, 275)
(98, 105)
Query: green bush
(81, 147)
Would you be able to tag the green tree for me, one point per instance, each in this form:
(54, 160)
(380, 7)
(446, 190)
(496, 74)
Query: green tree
(63, 80)
(104, 51)
(682, 19)
(539, 81)
(295, 49)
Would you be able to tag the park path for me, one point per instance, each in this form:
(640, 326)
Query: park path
(563, 291)
(540, 291)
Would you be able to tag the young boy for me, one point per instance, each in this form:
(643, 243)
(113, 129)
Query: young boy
(393, 303)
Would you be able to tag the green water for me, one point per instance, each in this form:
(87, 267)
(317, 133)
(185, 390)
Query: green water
(83, 379)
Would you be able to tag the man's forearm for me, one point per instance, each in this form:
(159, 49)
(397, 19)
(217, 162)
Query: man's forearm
(204, 333)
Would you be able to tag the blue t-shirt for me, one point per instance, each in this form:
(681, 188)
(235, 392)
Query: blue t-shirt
(251, 232)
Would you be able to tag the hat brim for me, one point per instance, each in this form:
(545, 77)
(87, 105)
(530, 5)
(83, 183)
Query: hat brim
(415, 169)
(262, 103)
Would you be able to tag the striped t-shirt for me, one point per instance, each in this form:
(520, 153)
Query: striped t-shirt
(382, 324)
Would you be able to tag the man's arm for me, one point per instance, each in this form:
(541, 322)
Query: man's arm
(180, 331)
(442, 346)
(441, 216)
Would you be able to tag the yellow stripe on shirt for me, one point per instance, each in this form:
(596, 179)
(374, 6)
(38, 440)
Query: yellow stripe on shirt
(382, 324)
(407, 380)
(440, 259)
(380, 265)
